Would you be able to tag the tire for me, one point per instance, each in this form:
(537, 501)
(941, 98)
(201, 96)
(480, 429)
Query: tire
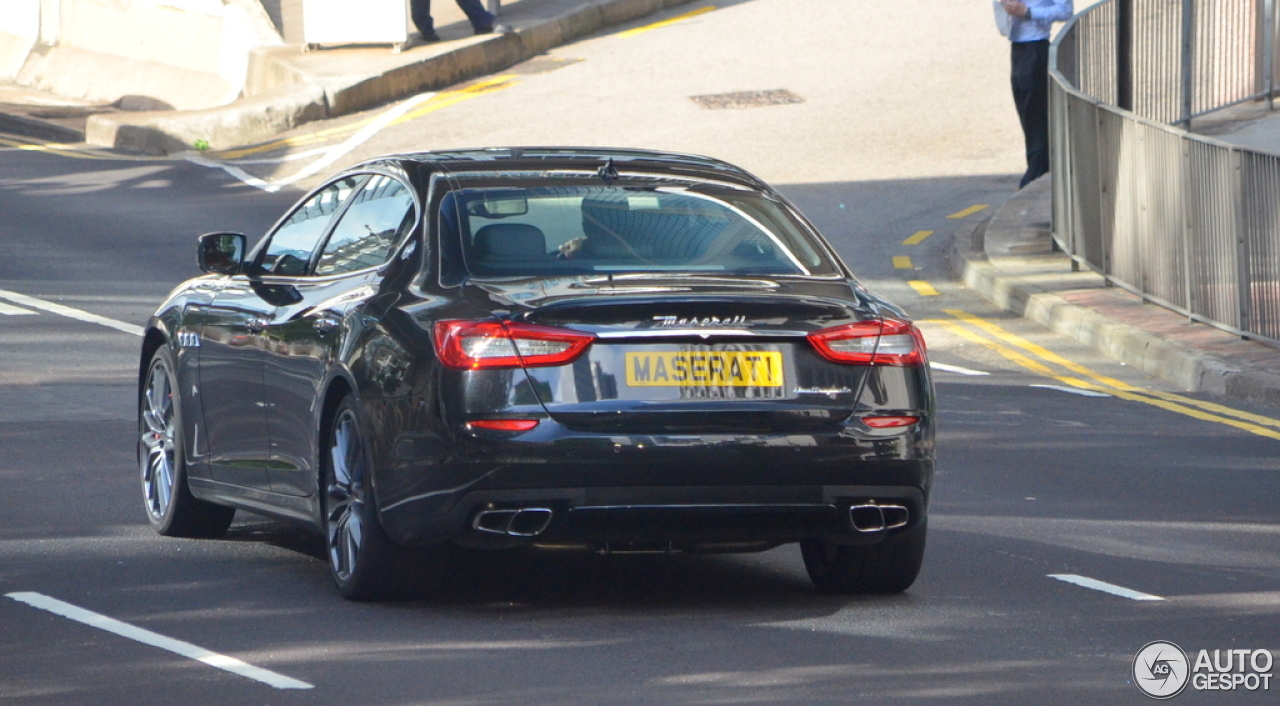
(170, 506)
(888, 567)
(364, 562)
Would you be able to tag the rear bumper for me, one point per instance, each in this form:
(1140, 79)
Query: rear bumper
(690, 518)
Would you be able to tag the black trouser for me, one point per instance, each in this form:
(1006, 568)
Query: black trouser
(1030, 77)
(420, 11)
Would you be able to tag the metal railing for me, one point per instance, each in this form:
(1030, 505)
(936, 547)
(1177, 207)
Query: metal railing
(1187, 222)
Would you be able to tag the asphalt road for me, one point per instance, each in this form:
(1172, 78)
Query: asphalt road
(1143, 489)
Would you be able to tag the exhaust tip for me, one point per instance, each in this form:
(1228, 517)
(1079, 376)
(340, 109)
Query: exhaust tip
(529, 522)
(871, 517)
(523, 522)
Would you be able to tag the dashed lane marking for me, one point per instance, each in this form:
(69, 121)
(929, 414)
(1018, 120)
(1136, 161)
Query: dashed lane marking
(967, 212)
(1111, 588)
(902, 262)
(667, 22)
(70, 313)
(923, 288)
(146, 637)
(918, 237)
(943, 367)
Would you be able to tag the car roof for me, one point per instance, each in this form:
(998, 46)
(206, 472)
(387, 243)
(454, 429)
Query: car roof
(516, 159)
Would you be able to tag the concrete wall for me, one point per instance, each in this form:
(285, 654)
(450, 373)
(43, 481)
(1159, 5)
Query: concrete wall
(185, 54)
(19, 29)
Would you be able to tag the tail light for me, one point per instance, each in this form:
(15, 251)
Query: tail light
(881, 342)
(477, 345)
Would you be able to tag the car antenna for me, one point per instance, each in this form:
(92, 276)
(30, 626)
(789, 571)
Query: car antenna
(608, 173)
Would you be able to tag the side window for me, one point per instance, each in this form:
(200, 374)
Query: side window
(379, 216)
(289, 252)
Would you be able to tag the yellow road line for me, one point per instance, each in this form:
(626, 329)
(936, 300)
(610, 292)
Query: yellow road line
(967, 212)
(923, 288)
(664, 23)
(1238, 419)
(1038, 351)
(67, 150)
(1052, 357)
(918, 237)
(902, 262)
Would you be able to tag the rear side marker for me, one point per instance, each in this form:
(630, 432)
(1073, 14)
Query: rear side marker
(504, 424)
(889, 422)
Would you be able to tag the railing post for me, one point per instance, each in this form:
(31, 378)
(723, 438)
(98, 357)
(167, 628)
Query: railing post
(495, 7)
(1124, 54)
(1269, 52)
(1244, 283)
(1188, 61)
(1188, 233)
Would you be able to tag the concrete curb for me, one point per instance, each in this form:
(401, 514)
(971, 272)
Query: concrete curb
(262, 117)
(1018, 285)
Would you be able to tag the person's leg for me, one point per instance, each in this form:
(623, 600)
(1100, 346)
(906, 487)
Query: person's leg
(481, 20)
(420, 11)
(1030, 79)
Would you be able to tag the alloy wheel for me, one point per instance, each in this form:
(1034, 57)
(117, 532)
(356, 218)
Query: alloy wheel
(345, 495)
(157, 440)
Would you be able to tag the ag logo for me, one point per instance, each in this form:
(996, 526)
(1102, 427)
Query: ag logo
(1161, 670)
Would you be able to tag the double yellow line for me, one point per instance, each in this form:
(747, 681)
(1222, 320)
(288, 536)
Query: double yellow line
(1039, 360)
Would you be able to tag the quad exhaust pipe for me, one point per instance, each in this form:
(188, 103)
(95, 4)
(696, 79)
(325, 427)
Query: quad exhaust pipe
(521, 522)
(872, 517)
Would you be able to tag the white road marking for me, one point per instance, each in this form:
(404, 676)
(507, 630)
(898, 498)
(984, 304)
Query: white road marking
(955, 369)
(70, 313)
(1105, 587)
(1073, 390)
(331, 154)
(146, 637)
(234, 171)
(6, 310)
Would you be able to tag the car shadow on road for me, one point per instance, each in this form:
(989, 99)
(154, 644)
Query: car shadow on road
(541, 579)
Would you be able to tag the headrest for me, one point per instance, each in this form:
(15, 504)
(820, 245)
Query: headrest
(510, 241)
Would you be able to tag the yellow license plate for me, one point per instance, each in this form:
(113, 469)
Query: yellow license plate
(705, 369)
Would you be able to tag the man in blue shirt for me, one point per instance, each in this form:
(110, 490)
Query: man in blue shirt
(1031, 22)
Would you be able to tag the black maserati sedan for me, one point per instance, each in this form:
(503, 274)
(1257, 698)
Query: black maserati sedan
(610, 350)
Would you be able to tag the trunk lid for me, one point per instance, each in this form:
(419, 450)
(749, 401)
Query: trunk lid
(690, 354)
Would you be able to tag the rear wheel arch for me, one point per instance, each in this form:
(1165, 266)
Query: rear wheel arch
(338, 389)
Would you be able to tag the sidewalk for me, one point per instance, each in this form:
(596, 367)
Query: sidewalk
(288, 86)
(1009, 260)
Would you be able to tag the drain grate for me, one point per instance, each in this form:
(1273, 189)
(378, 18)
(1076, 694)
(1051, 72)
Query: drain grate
(747, 99)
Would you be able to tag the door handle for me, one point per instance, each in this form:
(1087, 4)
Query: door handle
(326, 324)
(257, 324)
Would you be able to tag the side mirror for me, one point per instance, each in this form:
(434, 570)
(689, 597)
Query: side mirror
(221, 253)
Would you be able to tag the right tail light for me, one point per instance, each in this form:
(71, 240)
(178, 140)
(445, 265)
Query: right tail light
(875, 342)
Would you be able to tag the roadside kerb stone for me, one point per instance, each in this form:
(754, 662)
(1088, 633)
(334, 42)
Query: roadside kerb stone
(1039, 288)
(262, 117)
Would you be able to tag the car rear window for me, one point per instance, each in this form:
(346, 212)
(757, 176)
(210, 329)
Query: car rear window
(551, 230)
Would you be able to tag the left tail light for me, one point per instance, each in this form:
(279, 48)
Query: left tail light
(479, 345)
(877, 342)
